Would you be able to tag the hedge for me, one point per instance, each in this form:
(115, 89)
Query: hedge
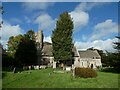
(85, 72)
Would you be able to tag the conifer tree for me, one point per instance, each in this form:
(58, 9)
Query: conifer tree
(62, 38)
(116, 61)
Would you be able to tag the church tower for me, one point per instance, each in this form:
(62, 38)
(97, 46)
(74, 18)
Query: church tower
(39, 41)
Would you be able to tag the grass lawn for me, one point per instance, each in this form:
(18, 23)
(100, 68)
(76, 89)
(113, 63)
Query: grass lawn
(42, 79)
(0, 83)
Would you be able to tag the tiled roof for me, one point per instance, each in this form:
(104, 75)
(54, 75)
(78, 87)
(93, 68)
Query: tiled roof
(47, 49)
(89, 54)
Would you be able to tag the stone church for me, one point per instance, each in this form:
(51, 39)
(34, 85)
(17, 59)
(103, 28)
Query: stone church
(88, 58)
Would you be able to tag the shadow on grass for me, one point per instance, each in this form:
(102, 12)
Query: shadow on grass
(3, 74)
(8, 69)
(111, 70)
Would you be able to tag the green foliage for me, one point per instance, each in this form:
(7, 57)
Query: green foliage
(26, 54)
(116, 60)
(113, 58)
(85, 72)
(22, 49)
(13, 43)
(30, 34)
(62, 38)
(7, 60)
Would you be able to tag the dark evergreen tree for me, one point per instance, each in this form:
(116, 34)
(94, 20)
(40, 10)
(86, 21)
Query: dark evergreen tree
(116, 61)
(113, 58)
(62, 38)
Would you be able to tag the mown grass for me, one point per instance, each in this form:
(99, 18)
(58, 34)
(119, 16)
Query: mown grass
(47, 79)
(0, 83)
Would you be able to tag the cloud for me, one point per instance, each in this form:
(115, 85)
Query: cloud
(47, 39)
(86, 6)
(31, 6)
(80, 14)
(80, 19)
(103, 29)
(9, 30)
(98, 44)
(45, 22)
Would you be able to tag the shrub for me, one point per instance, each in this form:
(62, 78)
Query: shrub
(85, 72)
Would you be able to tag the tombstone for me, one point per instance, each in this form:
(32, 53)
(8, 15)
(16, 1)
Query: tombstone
(29, 67)
(54, 64)
(14, 70)
(43, 67)
(68, 68)
(63, 67)
(36, 67)
(73, 70)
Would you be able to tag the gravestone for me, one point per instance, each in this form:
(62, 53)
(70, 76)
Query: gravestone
(29, 67)
(36, 67)
(14, 70)
(54, 64)
(73, 70)
(68, 68)
(43, 67)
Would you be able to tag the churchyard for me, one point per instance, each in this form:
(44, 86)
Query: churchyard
(55, 78)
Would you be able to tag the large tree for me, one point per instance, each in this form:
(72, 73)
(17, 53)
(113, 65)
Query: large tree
(113, 58)
(116, 61)
(13, 43)
(62, 38)
(9, 55)
(26, 53)
(22, 48)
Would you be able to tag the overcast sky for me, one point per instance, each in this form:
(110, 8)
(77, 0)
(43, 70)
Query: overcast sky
(95, 24)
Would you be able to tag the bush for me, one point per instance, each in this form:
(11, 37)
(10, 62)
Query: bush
(85, 72)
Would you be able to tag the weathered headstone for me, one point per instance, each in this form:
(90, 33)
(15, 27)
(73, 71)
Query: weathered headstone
(29, 67)
(43, 66)
(73, 70)
(68, 68)
(14, 70)
(36, 67)
(54, 64)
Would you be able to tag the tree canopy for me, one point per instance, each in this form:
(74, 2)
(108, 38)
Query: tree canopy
(62, 38)
(116, 60)
(21, 50)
